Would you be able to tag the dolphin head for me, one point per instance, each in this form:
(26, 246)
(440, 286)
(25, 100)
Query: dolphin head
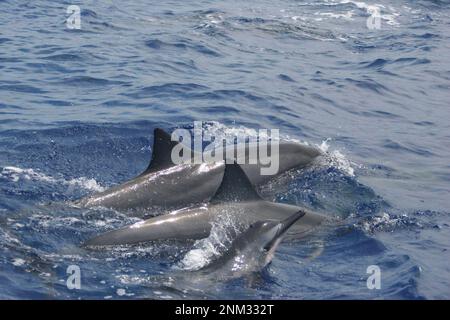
(278, 231)
(295, 155)
(262, 238)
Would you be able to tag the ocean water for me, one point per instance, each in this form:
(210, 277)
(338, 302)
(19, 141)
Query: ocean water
(78, 108)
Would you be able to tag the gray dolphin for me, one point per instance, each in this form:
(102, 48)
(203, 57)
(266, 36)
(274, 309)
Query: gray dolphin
(166, 185)
(236, 198)
(252, 249)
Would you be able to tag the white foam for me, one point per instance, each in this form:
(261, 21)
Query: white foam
(376, 8)
(85, 183)
(336, 159)
(15, 174)
(46, 221)
(386, 13)
(386, 222)
(221, 131)
(121, 292)
(18, 262)
(347, 15)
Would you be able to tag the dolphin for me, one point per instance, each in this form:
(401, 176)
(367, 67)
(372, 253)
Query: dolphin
(236, 198)
(167, 185)
(251, 250)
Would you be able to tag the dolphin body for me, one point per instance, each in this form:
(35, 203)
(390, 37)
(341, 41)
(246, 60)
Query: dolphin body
(252, 249)
(166, 185)
(236, 199)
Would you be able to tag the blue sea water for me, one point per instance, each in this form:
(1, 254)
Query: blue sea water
(78, 108)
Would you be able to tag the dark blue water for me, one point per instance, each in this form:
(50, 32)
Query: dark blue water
(78, 107)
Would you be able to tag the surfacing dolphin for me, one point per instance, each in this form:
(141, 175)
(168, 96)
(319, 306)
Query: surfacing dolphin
(249, 252)
(236, 198)
(166, 185)
(252, 249)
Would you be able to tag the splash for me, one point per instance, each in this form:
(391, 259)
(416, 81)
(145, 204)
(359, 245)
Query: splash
(223, 132)
(333, 158)
(223, 231)
(386, 222)
(370, 9)
(15, 174)
(336, 159)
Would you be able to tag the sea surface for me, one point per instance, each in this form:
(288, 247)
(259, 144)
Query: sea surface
(368, 82)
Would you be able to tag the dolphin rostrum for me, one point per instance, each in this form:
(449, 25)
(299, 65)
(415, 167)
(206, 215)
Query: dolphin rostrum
(167, 185)
(236, 198)
(252, 249)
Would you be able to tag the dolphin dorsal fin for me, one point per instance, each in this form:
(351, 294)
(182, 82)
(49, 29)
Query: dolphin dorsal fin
(162, 150)
(235, 186)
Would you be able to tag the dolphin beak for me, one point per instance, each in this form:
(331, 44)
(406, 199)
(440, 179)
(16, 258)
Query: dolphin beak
(284, 226)
(287, 223)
